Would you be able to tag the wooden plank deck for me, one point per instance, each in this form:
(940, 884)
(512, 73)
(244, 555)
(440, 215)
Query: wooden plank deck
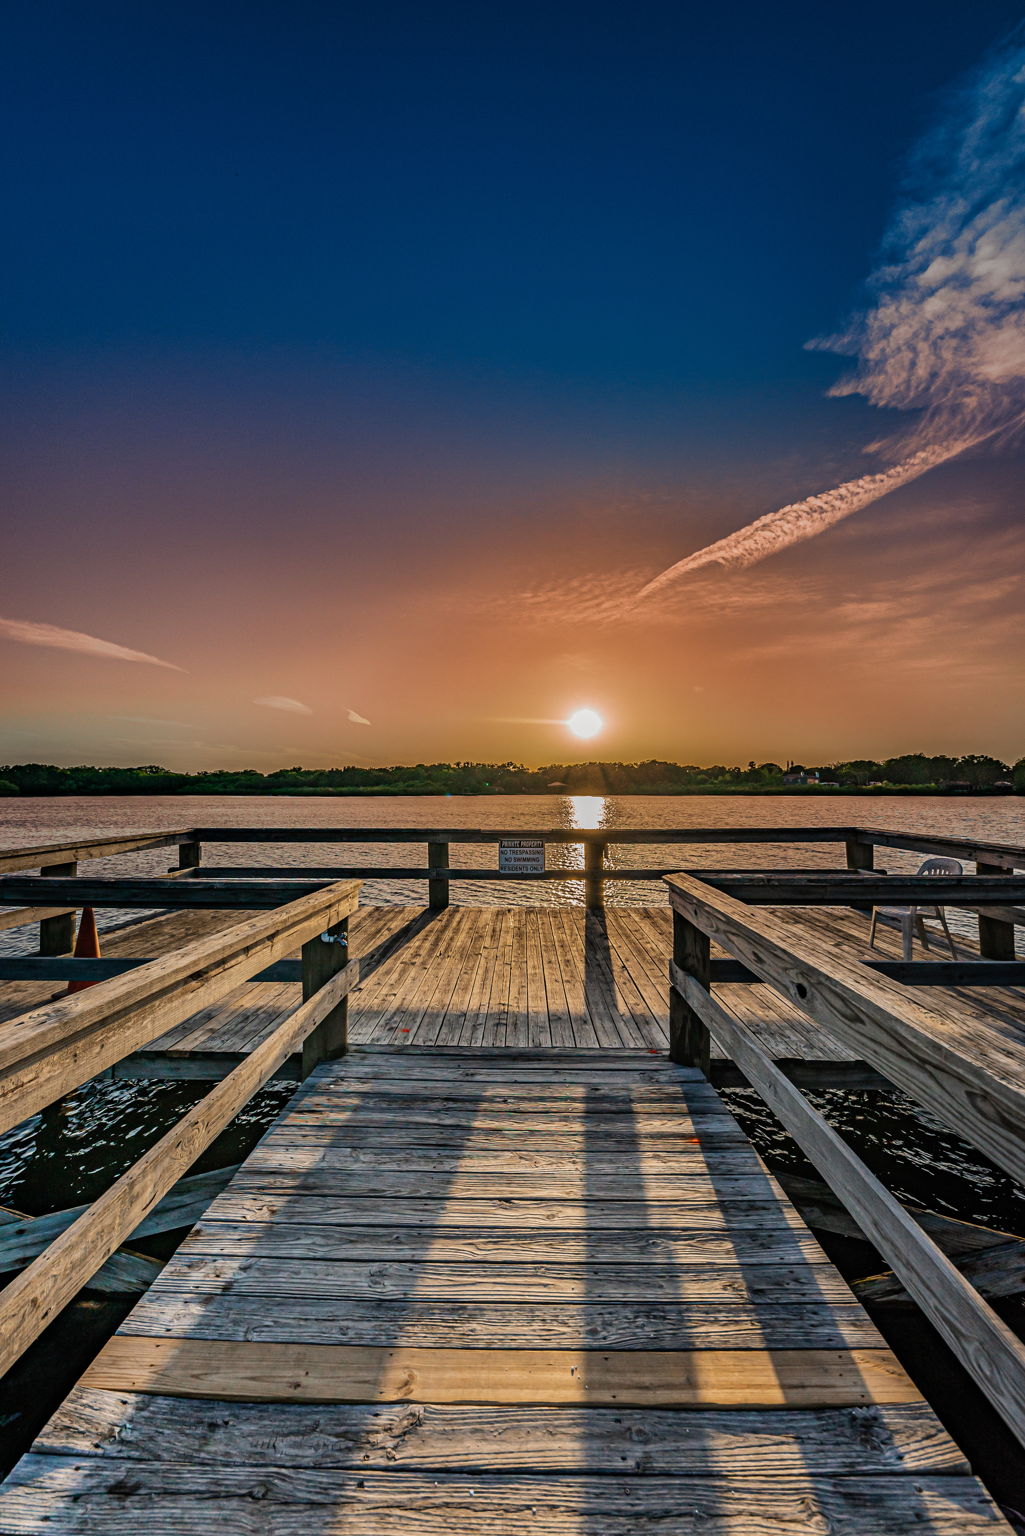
(544, 977)
(497, 1290)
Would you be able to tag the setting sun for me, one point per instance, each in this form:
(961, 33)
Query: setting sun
(585, 722)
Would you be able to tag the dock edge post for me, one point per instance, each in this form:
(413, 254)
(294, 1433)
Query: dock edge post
(190, 855)
(57, 934)
(594, 875)
(437, 887)
(860, 855)
(690, 1044)
(996, 938)
(322, 958)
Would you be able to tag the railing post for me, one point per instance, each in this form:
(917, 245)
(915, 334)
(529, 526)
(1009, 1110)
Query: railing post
(689, 1040)
(322, 958)
(860, 856)
(57, 934)
(996, 938)
(594, 877)
(190, 855)
(437, 889)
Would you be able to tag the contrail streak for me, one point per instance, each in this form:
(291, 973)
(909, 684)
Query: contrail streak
(804, 519)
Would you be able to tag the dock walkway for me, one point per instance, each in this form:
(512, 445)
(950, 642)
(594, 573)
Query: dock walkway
(537, 977)
(506, 1291)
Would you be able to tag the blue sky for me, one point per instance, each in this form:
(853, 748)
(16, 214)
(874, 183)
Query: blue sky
(316, 301)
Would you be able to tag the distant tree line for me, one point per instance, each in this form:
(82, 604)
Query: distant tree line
(911, 773)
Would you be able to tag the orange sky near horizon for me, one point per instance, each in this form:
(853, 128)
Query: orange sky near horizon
(901, 630)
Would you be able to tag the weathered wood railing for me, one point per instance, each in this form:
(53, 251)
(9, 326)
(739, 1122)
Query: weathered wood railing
(973, 1084)
(61, 861)
(440, 872)
(51, 1050)
(57, 924)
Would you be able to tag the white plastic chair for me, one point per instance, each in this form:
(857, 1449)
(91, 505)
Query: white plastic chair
(912, 917)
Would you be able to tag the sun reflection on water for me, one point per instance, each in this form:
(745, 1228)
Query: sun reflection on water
(587, 812)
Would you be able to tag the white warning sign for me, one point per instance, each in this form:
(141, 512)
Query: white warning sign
(521, 856)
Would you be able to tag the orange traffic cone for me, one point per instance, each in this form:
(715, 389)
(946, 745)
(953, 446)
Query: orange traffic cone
(87, 946)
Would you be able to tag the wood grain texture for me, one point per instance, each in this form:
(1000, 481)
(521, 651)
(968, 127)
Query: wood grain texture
(1004, 855)
(316, 1147)
(230, 1371)
(825, 888)
(323, 957)
(293, 1204)
(390, 1136)
(57, 934)
(278, 1170)
(69, 1496)
(800, 1283)
(124, 1273)
(685, 1248)
(689, 1040)
(159, 891)
(741, 1323)
(479, 1119)
(897, 1438)
(549, 1093)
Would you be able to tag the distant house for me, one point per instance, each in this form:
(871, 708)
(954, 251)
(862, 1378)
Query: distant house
(802, 777)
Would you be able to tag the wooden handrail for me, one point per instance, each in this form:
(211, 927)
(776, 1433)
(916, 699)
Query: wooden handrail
(33, 1298)
(911, 973)
(25, 916)
(974, 1084)
(260, 889)
(1007, 854)
(996, 927)
(828, 889)
(40, 856)
(983, 1343)
(52, 1049)
(545, 834)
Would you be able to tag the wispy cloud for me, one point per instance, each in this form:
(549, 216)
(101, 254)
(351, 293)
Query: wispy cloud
(590, 597)
(152, 720)
(944, 335)
(598, 599)
(28, 632)
(357, 719)
(277, 701)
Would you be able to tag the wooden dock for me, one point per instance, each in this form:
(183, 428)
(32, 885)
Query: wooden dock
(542, 1291)
(506, 1261)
